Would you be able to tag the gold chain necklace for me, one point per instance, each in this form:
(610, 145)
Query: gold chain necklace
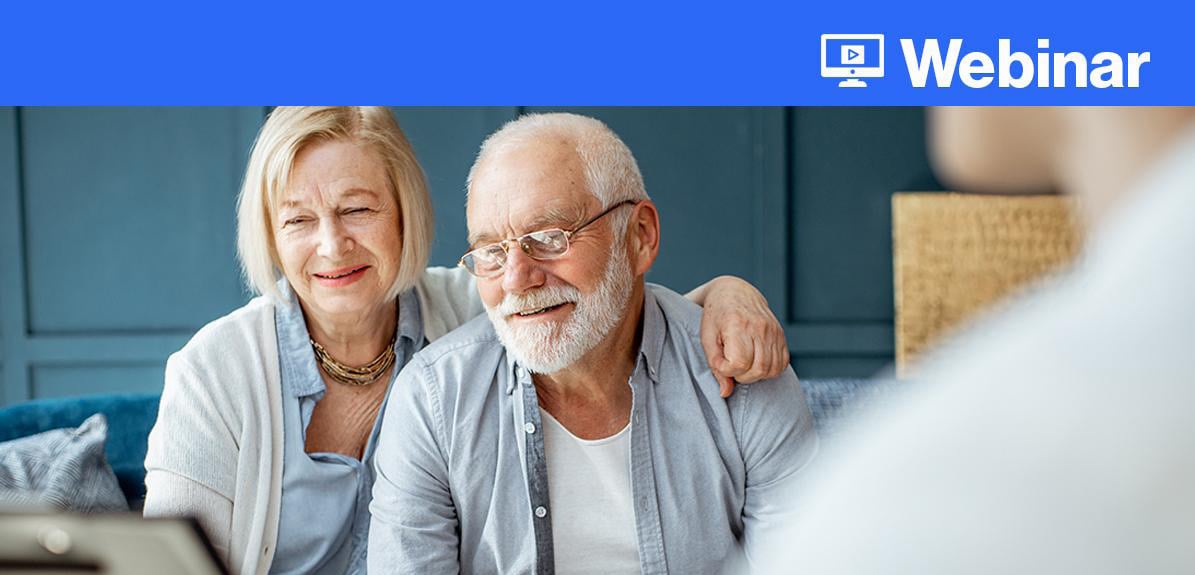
(349, 375)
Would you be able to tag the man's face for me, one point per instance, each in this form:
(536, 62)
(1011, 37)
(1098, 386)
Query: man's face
(995, 149)
(551, 313)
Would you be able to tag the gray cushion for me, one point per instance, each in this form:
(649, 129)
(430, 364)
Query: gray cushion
(62, 469)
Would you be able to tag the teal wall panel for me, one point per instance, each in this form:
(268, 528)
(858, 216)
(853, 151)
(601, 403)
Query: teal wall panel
(845, 165)
(860, 366)
(132, 207)
(66, 380)
(12, 260)
(10, 227)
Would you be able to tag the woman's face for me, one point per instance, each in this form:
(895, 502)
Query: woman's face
(336, 230)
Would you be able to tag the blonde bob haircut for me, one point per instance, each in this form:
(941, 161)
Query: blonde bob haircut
(286, 132)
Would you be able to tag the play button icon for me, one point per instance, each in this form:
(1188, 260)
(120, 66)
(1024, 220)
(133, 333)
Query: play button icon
(852, 54)
(852, 57)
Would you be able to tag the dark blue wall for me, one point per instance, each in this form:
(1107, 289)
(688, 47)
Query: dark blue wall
(117, 225)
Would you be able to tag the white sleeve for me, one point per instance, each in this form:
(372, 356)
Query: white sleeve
(447, 299)
(191, 456)
(172, 495)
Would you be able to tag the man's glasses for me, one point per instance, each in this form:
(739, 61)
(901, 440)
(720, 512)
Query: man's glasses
(488, 260)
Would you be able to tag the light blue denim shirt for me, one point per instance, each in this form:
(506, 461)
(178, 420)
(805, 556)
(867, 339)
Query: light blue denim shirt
(462, 481)
(324, 522)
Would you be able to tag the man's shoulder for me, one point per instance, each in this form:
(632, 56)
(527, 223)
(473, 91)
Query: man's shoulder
(682, 316)
(683, 321)
(475, 338)
(781, 394)
(462, 362)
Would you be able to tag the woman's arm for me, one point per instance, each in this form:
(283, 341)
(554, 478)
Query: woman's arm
(171, 495)
(743, 340)
(187, 464)
(447, 299)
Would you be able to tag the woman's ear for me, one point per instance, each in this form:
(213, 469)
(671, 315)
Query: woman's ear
(644, 230)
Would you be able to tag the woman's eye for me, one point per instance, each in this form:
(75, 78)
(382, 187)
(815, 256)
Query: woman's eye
(351, 211)
(295, 221)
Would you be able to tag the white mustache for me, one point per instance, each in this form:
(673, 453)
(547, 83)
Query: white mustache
(538, 299)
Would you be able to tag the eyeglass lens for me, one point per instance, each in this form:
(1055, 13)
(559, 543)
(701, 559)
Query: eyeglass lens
(541, 245)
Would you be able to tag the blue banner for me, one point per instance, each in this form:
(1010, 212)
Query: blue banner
(610, 53)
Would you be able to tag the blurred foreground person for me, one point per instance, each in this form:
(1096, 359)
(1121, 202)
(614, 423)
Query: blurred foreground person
(1057, 437)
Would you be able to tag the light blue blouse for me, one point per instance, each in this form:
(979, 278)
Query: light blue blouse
(324, 522)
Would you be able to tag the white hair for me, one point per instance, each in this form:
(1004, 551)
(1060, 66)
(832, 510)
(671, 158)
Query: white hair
(288, 131)
(611, 173)
(612, 176)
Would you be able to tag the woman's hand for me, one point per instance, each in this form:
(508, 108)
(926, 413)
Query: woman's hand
(743, 340)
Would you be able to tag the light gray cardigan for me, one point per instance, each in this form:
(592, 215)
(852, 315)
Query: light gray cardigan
(216, 450)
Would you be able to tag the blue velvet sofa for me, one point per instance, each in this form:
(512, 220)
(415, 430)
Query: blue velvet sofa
(130, 417)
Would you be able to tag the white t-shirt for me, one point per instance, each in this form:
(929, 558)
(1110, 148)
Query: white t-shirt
(589, 487)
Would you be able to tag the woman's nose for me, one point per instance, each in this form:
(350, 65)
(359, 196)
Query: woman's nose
(334, 243)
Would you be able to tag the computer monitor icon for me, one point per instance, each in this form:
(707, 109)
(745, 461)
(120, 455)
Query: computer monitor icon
(852, 56)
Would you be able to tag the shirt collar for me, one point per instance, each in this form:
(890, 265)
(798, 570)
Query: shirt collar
(301, 375)
(655, 327)
(651, 345)
(410, 320)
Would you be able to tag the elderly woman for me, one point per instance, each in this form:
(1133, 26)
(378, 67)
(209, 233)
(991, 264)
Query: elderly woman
(270, 414)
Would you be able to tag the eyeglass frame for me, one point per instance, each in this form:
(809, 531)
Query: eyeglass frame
(568, 236)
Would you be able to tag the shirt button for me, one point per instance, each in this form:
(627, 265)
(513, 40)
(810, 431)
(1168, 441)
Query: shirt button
(541, 511)
(529, 427)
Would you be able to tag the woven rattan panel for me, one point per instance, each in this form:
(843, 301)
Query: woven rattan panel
(956, 254)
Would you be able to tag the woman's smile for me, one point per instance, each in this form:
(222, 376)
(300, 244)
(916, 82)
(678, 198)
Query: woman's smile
(341, 277)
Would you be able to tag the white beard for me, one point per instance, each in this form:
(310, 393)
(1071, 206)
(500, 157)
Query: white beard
(548, 347)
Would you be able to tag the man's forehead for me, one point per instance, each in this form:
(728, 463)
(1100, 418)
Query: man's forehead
(529, 165)
(524, 189)
(495, 222)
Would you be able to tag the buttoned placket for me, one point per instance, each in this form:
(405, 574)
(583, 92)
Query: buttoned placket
(648, 527)
(537, 476)
(648, 530)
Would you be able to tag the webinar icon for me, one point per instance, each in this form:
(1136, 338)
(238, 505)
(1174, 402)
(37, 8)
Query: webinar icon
(852, 57)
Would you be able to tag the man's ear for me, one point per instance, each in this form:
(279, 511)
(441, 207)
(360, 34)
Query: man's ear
(644, 231)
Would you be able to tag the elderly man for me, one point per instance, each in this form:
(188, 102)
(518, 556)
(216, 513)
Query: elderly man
(578, 428)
